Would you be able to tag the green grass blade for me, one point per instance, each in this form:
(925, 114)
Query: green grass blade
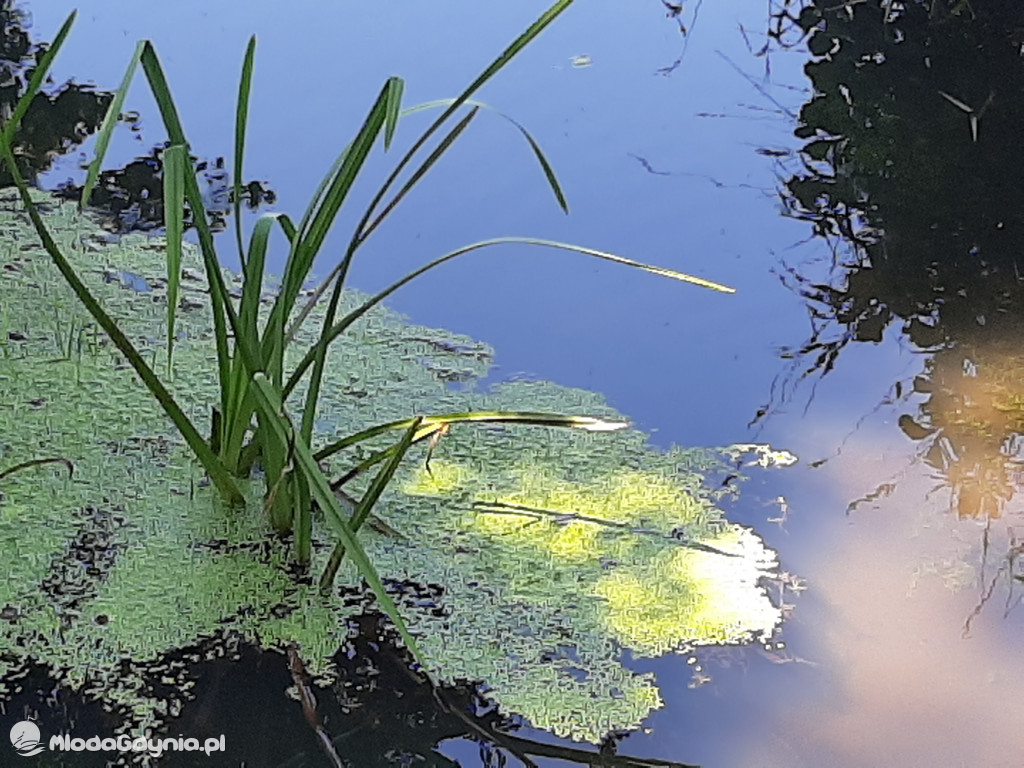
(495, 66)
(517, 45)
(321, 219)
(223, 310)
(373, 493)
(545, 165)
(218, 293)
(420, 172)
(323, 209)
(393, 112)
(376, 458)
(253, 268)
(275, 455)
(319, 226)
(107, 128)
(275, 338)
(549, 172)
(430, 424)
(355, 314)
(302, 525)
(175, 166)
(241, 121)
(316, 202)
(277, 421)
(319, 351)
(252, 289)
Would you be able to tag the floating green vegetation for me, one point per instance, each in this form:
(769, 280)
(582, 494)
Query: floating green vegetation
(554, 549)
(250, 425)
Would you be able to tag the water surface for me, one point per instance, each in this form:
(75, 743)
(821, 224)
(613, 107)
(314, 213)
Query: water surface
(880, 665)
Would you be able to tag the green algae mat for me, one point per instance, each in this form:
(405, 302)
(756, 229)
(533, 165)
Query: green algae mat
(548, 551)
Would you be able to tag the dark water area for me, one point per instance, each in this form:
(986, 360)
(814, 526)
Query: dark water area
(857, 180)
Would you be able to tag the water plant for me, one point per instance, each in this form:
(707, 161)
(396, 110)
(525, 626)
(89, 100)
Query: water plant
(526, 557)
(250, 424)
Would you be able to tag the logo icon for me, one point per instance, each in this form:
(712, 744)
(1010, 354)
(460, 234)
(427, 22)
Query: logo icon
(25, 738)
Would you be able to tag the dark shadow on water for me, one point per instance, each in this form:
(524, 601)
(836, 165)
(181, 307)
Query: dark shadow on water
(60, 118)
(377, 713)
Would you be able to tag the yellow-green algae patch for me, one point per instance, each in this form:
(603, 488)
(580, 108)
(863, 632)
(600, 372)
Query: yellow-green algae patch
(555, 549)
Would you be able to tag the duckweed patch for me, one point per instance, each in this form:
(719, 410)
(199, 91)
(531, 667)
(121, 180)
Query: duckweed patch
(528, 541)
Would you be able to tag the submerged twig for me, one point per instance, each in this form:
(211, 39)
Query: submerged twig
(564, 518)
(308, 701)
(37, 462)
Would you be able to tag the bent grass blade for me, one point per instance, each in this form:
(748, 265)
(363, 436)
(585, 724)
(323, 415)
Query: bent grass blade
(321, 212)
(355, 314)
(365, 505)
(434, 427)
(430, 424)
(538, 153)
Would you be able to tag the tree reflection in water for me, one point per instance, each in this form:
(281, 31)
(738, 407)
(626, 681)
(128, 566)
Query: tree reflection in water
(911, 169)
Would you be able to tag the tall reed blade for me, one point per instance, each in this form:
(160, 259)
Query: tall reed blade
(248, 324)
(321, 219)
(218, 293)
(224, 315)
(241, 121)
(393, 112)
(240, 405)
(323, 209)
(107, 127)
(175, 162)
(319, 225)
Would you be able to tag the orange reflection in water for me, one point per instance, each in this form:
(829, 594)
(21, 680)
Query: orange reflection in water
(970, 423)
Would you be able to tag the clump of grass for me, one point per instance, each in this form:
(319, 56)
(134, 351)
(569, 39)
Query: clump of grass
(250, 423)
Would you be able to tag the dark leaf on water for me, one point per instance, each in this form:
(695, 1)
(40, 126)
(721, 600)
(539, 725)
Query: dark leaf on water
(912, 429)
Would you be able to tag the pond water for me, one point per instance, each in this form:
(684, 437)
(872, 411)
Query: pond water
(903, 642)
